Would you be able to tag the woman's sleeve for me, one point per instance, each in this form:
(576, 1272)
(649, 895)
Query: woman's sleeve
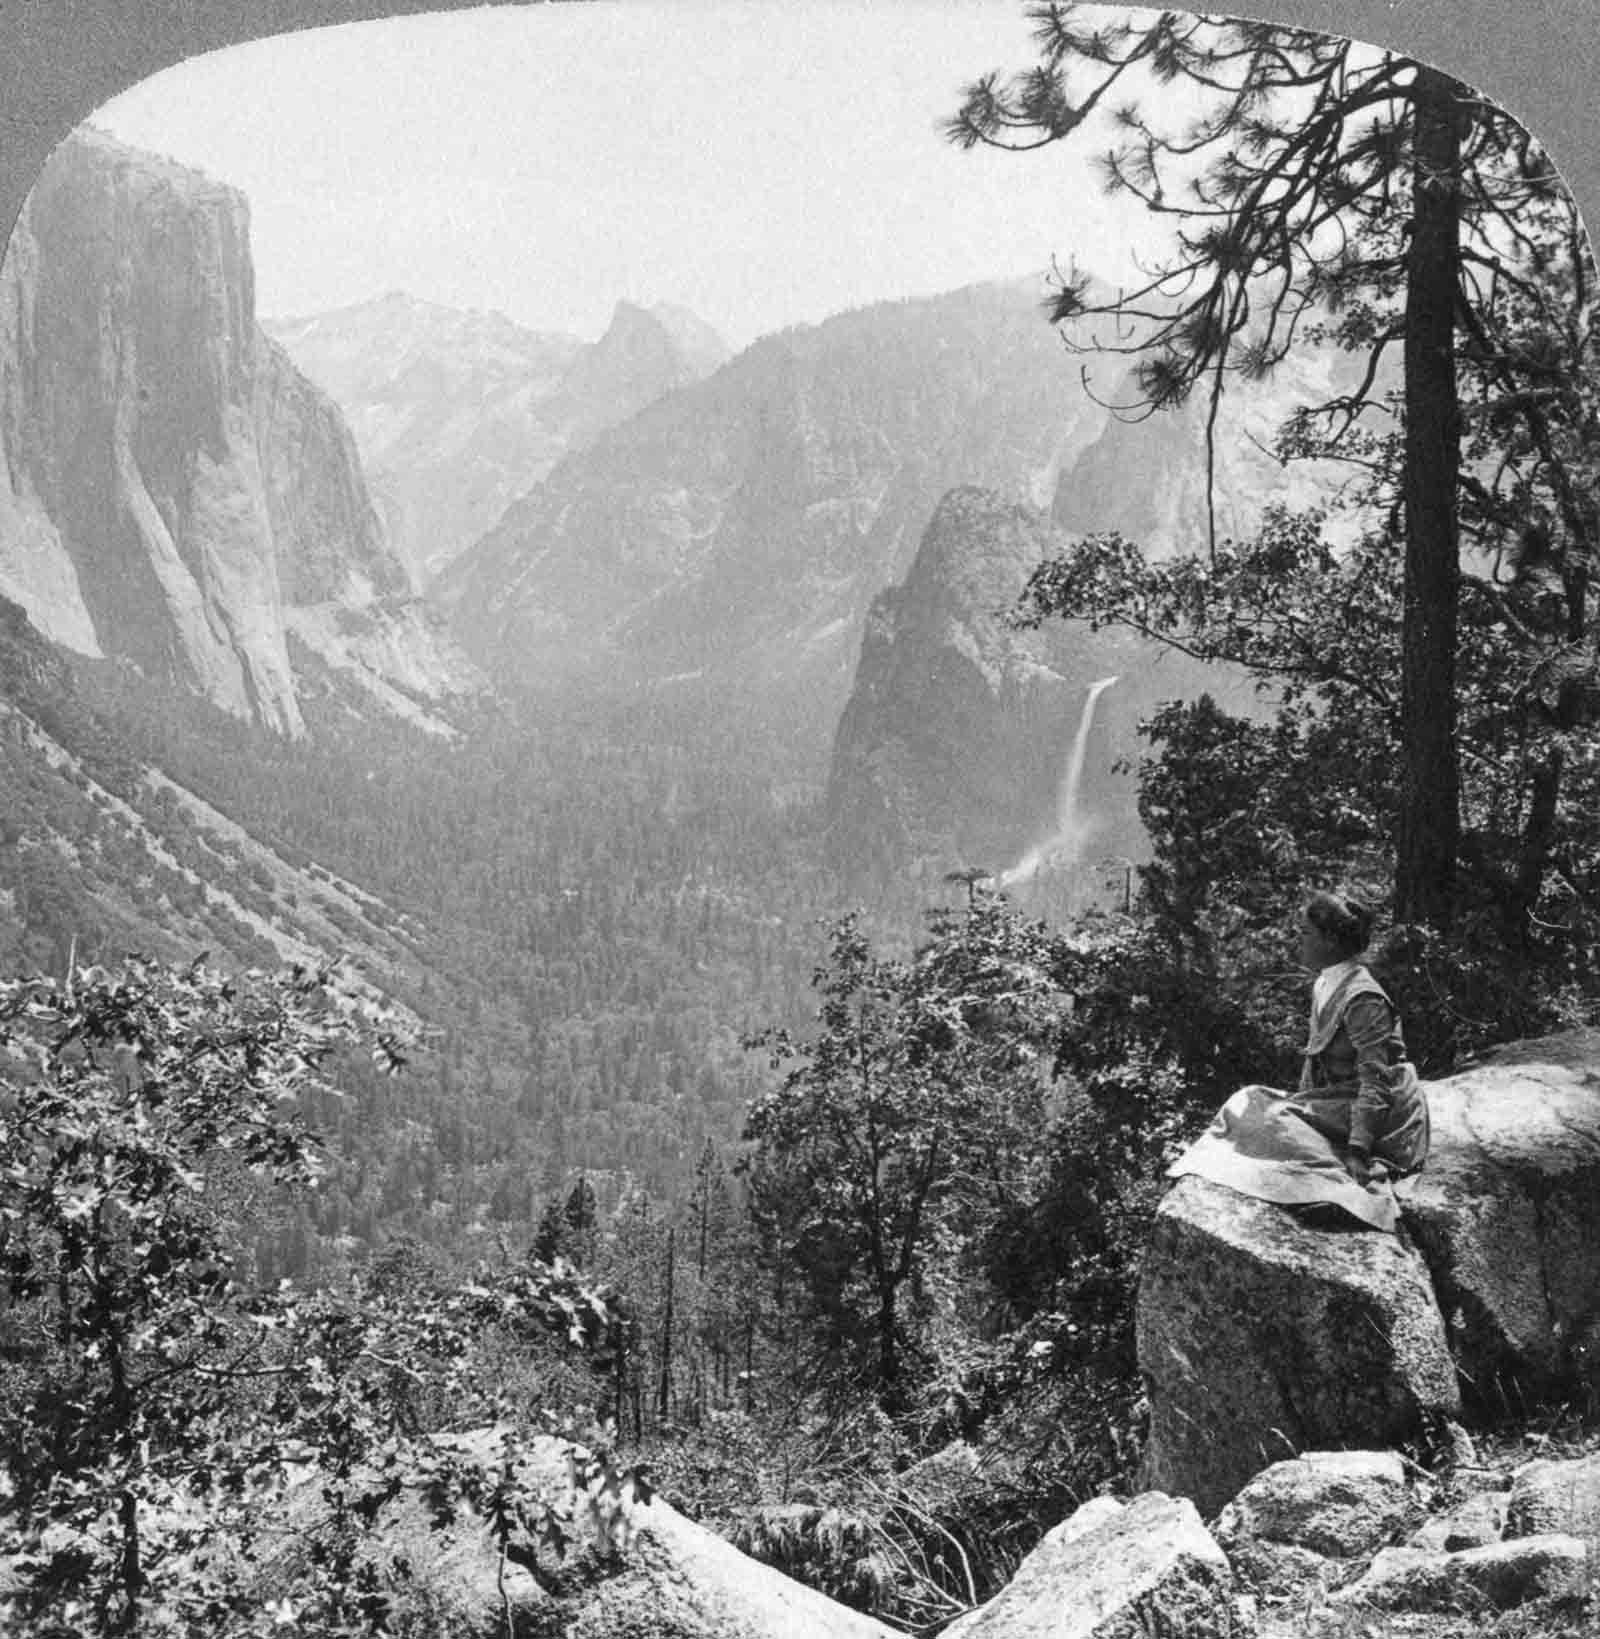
(1369, 1022)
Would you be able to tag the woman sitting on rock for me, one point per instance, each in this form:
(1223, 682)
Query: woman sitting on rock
(1359, 1119)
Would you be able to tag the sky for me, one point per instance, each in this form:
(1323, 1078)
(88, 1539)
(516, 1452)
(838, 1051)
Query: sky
(759, 163)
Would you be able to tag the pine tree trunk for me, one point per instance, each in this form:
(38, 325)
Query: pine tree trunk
(891, 1396)
(664, 1389)
(700, 1318)
(749, 1361)
(130, 1561)
(1430, 795)
(1537, 836)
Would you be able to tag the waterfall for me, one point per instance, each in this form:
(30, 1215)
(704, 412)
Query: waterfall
(1061, 848)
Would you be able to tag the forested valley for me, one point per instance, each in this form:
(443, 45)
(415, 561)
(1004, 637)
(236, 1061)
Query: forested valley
(619, 946)
(536, 1057)
(596, 916)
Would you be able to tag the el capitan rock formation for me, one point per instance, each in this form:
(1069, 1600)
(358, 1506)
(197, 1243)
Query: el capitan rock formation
(175, 494)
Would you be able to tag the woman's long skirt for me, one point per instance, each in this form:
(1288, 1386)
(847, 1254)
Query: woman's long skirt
(1281, 1147)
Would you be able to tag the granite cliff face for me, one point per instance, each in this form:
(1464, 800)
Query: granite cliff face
(955, 745)
(456, 414)
(949, 748)
(741, 526)
(175, 493)
(954, 748)
(1145, 476)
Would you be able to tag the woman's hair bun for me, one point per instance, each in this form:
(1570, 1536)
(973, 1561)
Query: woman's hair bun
(1342, 917)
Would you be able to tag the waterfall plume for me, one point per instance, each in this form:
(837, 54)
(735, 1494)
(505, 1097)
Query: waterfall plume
(1061, 848)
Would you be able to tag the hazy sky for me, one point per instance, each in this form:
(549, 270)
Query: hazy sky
(758, 162)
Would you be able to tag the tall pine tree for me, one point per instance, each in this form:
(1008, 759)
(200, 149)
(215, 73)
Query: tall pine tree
(1323, 190)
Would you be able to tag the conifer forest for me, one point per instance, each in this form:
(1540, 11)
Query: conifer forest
(645, 1042)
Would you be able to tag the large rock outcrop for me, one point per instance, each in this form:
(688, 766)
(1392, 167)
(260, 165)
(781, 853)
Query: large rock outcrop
(1261, 1337)
(172, 487)
(1507, 1214)
(951, 746)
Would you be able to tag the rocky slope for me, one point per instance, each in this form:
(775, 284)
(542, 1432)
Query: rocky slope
(1324, 1545)
(176, 494)
(456, 414)
(102, 851)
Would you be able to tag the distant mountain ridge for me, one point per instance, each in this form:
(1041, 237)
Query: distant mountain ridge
(741, 525)
(175, 493)
(457, 413)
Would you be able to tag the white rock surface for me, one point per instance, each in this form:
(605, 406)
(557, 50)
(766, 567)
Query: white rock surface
(1115, 1573)
(1496, 1577)
(1474, 1523)
(1339, 1504)
(1556, 1495)
(170, 486)
(671, 1579)
(1507, 1214)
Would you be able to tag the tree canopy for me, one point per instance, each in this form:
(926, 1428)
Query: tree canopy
(1324, 193)
(905, 1116)
(154, 1399)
